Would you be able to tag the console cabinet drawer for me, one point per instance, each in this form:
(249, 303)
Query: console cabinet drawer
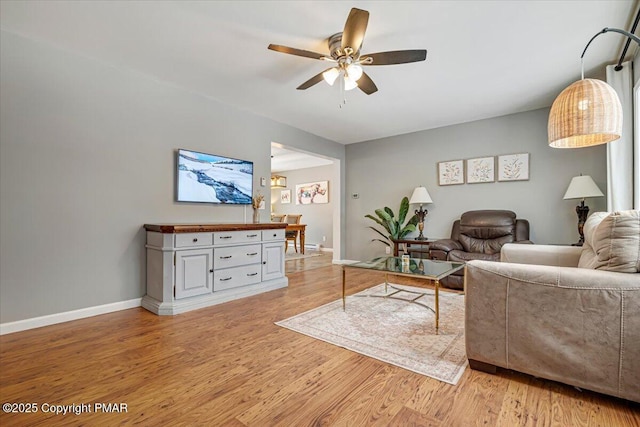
(236, 255)
(269, 235)
(193, 240)
(235, 277)
(231, 237)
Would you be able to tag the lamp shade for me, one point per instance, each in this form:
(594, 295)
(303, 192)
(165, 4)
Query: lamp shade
(420, 195)
(582, 187)
(586, 113)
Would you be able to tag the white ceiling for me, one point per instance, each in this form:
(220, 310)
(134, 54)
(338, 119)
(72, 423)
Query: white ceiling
(485, 58)
(283, 159)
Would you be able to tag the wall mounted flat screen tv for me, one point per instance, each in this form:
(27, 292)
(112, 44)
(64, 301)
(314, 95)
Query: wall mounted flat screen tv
(207, 178)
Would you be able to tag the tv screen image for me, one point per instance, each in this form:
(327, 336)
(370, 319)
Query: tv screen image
(207, 178)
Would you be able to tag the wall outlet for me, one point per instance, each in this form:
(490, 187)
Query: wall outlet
(324, 238)
(355, 196)
(387, 250)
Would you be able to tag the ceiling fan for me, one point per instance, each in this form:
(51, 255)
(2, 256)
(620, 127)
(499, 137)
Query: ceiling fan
(344, 51)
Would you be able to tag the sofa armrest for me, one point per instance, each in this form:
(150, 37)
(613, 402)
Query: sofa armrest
(561, 256)
(572, 325)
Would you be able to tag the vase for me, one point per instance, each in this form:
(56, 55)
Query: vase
(256, 216)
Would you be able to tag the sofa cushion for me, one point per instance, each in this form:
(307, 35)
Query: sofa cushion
(612, 242)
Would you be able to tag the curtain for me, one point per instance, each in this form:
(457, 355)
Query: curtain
(620, 154)
(636, 136)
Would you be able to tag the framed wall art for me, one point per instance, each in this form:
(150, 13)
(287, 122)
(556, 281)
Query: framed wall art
(285, 197)
(451, 172)
(513, 167)
(481, 169)
(312, 193)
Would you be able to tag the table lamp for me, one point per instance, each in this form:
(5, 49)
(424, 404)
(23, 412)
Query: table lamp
(420, 196)
(582, 187)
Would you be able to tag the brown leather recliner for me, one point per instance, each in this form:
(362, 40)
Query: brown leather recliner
(478, 235)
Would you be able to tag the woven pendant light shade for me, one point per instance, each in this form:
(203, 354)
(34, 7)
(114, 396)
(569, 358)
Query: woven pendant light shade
(584, 114)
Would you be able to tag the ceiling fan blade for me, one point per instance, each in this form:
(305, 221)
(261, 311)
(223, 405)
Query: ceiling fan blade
(394, 57)
(297, 52)
(312, 81)
(354, 29)
(366, 84)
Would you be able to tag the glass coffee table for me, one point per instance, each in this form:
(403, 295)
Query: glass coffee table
(431, 270)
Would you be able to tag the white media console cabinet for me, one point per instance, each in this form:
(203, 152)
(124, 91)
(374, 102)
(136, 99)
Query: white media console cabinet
(194, 266)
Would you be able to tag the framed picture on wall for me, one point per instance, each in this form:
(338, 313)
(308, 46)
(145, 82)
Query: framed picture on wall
(451, 172)
(481, 169)
(312, 193)
(513, 167)
(285, 197)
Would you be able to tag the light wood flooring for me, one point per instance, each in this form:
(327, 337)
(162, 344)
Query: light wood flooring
(229, 365)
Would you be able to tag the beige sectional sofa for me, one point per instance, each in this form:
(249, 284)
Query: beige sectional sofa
(563, 313)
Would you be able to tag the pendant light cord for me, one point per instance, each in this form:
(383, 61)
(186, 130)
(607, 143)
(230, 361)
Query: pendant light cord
(605, 30)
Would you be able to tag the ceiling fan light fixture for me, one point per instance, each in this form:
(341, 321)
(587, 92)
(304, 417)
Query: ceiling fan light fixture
(354, 71)
(349, 83)
(331, 75)
(344, 51)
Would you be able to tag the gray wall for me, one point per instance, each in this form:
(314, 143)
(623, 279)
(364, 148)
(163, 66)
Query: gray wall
(318, 217)
(385, 170)
(87, 157)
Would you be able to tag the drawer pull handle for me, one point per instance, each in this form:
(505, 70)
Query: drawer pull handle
(252, 254)
(195, 239)
(274, 234)
(252, 235)
(226, 237)
(226, 257)
(252, 274)
(224, 280)
(211, 271)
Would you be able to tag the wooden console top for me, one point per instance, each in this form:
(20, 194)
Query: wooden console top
(197, 228)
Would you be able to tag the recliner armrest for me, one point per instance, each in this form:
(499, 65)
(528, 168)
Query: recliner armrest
(445, 245)
(562, 256)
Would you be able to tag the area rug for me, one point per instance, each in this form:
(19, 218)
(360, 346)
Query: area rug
(393, 331)
(296, 255)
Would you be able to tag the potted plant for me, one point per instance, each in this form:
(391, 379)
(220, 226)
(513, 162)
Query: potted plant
(393, 226)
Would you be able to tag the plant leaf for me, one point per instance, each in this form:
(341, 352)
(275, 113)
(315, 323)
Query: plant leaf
(379, 232)
(404, 208)
(382, 241)
(373, 218)
(407, 229)
(389, 211)
(383, 214)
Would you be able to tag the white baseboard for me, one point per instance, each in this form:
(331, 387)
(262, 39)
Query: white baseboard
(344, 261)
(52, 319)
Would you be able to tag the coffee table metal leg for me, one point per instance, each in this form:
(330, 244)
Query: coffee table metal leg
(386, 281)
(437, 306)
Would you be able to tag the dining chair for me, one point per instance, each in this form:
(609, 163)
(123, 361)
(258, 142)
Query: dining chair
(277, 217)
(292, 234)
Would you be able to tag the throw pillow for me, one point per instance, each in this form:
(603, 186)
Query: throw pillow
(613, 243)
